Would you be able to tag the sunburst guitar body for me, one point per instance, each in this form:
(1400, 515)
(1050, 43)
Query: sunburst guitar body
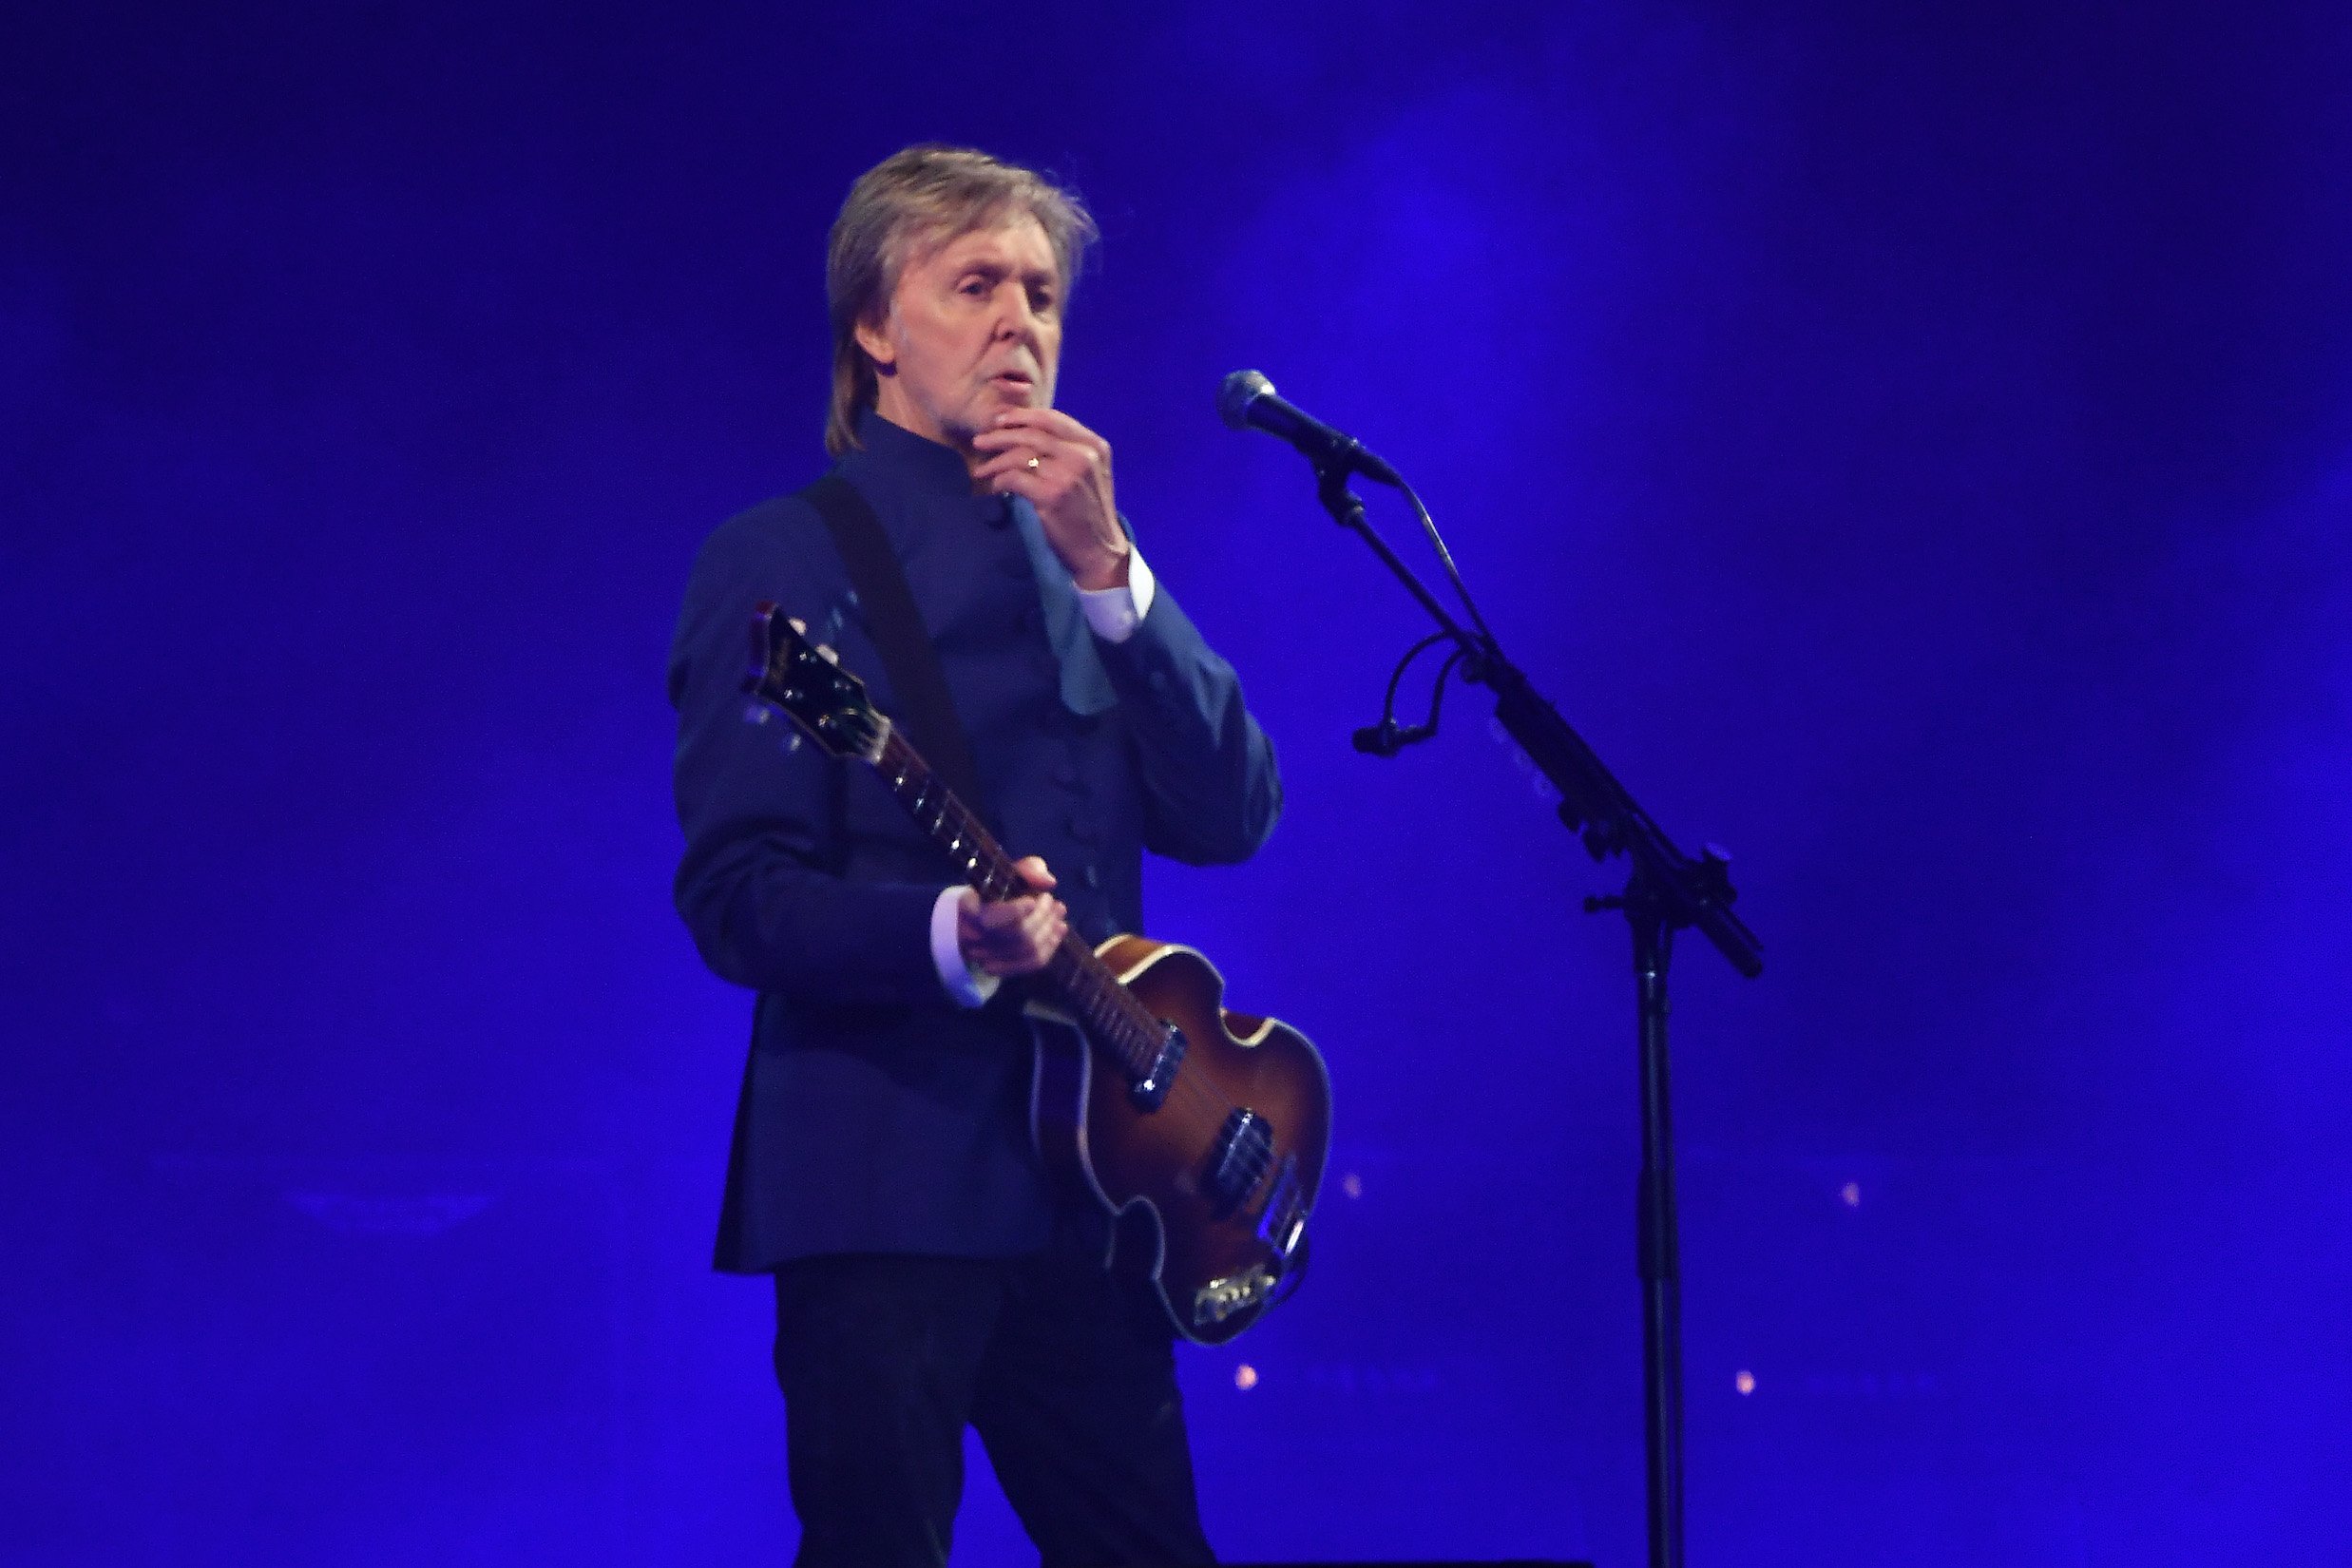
(1203, 1131)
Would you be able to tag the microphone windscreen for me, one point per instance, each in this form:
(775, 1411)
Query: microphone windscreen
(1241, 389)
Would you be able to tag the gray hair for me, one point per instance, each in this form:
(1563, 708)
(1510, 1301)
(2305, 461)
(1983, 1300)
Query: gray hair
(932, 194)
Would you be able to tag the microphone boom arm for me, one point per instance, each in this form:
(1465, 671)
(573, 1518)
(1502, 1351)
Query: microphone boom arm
(1665, 892)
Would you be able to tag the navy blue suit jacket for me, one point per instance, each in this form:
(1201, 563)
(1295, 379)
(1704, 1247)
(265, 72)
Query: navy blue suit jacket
(876, 1114)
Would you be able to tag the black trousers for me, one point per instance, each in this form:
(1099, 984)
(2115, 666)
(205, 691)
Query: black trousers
(1066, 1371)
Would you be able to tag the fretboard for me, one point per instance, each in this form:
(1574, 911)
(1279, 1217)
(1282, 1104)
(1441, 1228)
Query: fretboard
(1109, 1012)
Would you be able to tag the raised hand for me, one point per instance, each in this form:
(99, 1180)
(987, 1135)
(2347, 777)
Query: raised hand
(1064, 470)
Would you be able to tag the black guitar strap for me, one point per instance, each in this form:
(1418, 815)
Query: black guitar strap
(908, 656)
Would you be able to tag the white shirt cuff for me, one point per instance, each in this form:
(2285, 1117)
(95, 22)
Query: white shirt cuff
(1116, 612)
(968, 986)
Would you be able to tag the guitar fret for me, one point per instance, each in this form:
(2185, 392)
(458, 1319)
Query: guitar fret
(1122, 1033)
(1109, 1011)
(796, 678)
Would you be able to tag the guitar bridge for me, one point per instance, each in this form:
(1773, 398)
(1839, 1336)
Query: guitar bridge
(1221, 1298)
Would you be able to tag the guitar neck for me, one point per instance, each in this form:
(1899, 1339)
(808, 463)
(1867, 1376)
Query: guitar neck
(1111, 1015)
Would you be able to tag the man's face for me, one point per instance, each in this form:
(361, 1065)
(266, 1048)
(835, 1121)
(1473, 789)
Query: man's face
(973, 328)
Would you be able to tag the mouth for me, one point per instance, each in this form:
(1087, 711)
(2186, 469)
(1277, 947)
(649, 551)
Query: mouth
(1015, 384)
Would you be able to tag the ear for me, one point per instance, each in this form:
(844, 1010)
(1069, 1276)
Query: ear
(876, 342)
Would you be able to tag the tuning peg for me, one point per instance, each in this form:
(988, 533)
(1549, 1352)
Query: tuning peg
(827, 654)
(797, 624)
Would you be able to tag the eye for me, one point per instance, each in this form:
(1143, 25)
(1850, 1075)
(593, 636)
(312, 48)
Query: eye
(1042, 301)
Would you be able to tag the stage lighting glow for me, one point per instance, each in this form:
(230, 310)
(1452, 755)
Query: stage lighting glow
(1352, 1184)
(1245, 1377)
(1850, 1195)
(1745, 1381)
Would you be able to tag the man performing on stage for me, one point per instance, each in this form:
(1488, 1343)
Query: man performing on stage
(926, 1277)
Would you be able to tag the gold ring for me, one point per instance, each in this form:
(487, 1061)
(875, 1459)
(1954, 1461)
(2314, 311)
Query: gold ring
(1033, 465)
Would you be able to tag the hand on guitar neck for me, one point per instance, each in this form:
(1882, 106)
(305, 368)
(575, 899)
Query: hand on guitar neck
(1014, 936)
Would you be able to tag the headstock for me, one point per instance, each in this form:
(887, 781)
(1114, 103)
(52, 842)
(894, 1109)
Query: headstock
(806, 680)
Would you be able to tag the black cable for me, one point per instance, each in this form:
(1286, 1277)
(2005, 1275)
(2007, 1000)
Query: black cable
(1437, 693)
(1445, 558)
(1387, 737)
(1388, 703)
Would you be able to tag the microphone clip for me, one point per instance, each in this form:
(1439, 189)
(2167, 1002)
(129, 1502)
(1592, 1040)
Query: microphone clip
(1387, 737)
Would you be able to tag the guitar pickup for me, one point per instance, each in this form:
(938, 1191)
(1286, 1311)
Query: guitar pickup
(1149, 1090)
(1243, 1149)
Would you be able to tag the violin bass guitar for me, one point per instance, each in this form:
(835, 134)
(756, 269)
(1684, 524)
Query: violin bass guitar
(1201, 1130)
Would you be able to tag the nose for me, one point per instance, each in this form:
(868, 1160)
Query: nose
(1014, 319)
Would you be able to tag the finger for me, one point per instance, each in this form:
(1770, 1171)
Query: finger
(1033, 871)
(1010, 463)
(1071, 439)
(1045, 928)
(1032, 456)
(1071, 436)
(1022, 950)
(1051, 422)
(1019, 455)
(1085, 457)
(1016, 480)
(968, 930)
(1039, 950)
(997, 437)
(1007, 915)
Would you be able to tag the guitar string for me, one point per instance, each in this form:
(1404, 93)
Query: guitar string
(1124, 1009)
(905, 765)
(1111, 1011)
(1108, 1006)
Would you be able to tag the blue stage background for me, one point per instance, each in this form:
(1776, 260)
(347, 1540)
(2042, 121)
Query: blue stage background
(1916, 451)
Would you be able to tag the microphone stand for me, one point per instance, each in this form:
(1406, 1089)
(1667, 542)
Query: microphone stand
(1665, 892)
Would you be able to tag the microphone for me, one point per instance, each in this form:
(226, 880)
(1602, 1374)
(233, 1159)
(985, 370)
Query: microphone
(1248, 398)
(1387, 737)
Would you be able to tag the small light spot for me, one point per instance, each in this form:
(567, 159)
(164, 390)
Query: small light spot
(1352, 1184)
(1245, 1377)
(1850, 1195)
(1745, 1382)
